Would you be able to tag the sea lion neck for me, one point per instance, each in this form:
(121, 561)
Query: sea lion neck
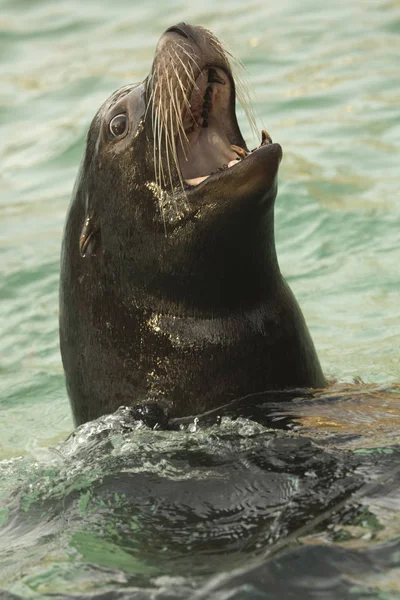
(218, 264)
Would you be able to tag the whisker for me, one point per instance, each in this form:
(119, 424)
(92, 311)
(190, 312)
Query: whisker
(191, 58)
(174, 151)
(185, 98)
(184, 141)
(191, 77)
(172, 139)
(178, 111)
(149, 102)
(243, 92)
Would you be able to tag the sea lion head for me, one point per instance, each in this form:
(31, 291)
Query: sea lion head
(173, 201)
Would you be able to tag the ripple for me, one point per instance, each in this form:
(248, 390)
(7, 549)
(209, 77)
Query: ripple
(328, 92)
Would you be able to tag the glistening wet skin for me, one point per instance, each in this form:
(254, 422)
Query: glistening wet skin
(171, 295)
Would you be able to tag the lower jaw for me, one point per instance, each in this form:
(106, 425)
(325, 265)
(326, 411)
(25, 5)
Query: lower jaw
(241, 155)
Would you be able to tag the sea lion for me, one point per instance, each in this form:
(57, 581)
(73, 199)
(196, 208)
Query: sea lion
(170, 289)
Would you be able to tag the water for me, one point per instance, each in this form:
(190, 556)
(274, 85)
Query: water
(326, 86)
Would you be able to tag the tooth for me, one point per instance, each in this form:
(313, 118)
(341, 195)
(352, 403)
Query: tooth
(233, 162)
(240, 151)
(265, 138)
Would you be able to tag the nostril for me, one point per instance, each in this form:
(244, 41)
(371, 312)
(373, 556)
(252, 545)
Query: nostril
(178, 29)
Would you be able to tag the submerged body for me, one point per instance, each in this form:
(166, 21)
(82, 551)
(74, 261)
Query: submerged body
(170, 286)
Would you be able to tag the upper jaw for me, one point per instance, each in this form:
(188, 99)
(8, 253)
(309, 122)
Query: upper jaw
(210, 127)
(193, 111)
(212, 142)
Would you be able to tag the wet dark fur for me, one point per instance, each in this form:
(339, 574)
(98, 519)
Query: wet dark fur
(170, 297)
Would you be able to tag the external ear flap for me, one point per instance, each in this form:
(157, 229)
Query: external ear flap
(87, 241)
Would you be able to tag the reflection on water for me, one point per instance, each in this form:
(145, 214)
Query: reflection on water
(349, 416)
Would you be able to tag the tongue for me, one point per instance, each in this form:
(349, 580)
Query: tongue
(209, 147)
(209, 150)
(197, 180)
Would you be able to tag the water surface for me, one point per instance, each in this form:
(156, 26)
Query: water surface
(325, 80)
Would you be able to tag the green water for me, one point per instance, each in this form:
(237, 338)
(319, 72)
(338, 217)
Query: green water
(325, 83)
(326, 86)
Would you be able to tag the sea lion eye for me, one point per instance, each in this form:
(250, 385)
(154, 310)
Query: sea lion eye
(118, 125)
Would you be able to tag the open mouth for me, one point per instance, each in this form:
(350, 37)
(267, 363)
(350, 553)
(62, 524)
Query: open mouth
(212, 141)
